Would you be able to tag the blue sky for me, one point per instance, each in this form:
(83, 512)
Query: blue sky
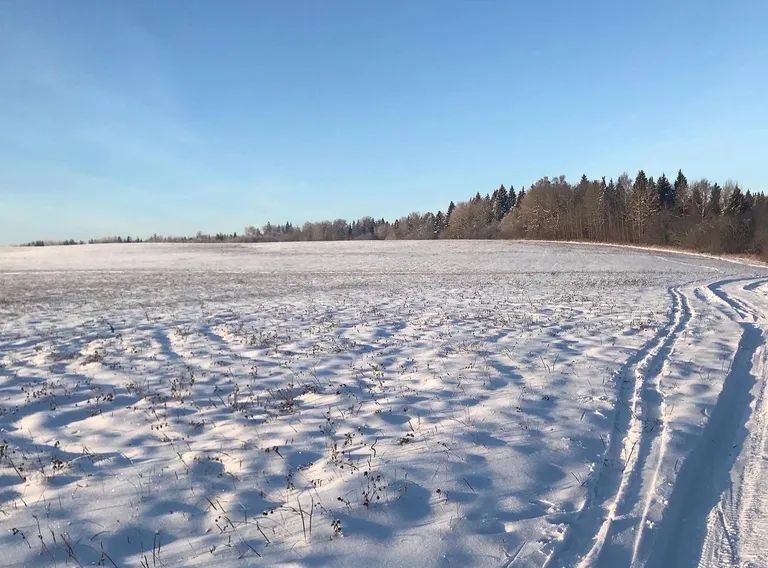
(179, 116)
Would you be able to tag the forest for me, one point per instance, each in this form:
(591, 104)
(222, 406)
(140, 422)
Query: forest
(698, 215)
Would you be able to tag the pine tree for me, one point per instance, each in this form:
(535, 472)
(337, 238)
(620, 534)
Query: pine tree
(698, 207)
(451, 207)
(641, 181)
(666, 192)
(737, 228)
(439, 225)
(749, 200)
(511, 200)
(681, 191)
(737, 204)
(713, 208)
(643, 203)
(499, 202)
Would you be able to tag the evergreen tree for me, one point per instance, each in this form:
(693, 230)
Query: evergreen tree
(644, 202)
(749, 200)
(737, 203)
(439, 225)
(451, 207)
(641, 181)
(698, 207)
(653, 194)
(713, 208)
(666, 192)
(737, 228)
(499, 203)
(511, 200)
(681, 191)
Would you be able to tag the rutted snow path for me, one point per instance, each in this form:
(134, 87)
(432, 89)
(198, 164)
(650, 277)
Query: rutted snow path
(715, 512)
(735, 448)
(623, 492)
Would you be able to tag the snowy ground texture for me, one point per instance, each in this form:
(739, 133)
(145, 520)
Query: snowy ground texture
(400, 404)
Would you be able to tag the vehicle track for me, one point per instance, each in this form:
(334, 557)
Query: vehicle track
(743, 310)
(736, 528)
(638, 437)
(716, 512)
(718, 506)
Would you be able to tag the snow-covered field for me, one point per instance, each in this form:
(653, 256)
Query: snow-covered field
(381, 403)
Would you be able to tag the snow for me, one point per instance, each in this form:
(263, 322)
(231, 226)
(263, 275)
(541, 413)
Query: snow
(441, 403)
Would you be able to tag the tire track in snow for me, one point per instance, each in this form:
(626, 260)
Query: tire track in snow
(703, 521)
(736, 528)
(751, 501)
(638, 424)
(743, 310)
(650, 493)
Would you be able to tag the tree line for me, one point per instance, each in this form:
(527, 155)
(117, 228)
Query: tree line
(698, 215)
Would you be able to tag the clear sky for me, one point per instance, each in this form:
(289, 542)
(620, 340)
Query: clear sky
(177, 116)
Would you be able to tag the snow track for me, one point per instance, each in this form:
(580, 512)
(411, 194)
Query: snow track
(742, 309)
(736, 531)
(716, 512)
(637, 439)
(704, 476)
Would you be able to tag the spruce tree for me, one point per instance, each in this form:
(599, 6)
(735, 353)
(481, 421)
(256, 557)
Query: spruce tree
(737, 204)
(511, 200)
(641, 181)
(681, 190)
(713, 208)
(451, 207)
(439, 225)
(653, 191)
(644, 202)
(499, 202)
(666, 192)
(749, 200)
(697, 201)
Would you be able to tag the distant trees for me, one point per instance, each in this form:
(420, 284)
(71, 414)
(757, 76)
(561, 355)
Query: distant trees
(701, 216)
(473, 219)
(70, 242)
(694, 214)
